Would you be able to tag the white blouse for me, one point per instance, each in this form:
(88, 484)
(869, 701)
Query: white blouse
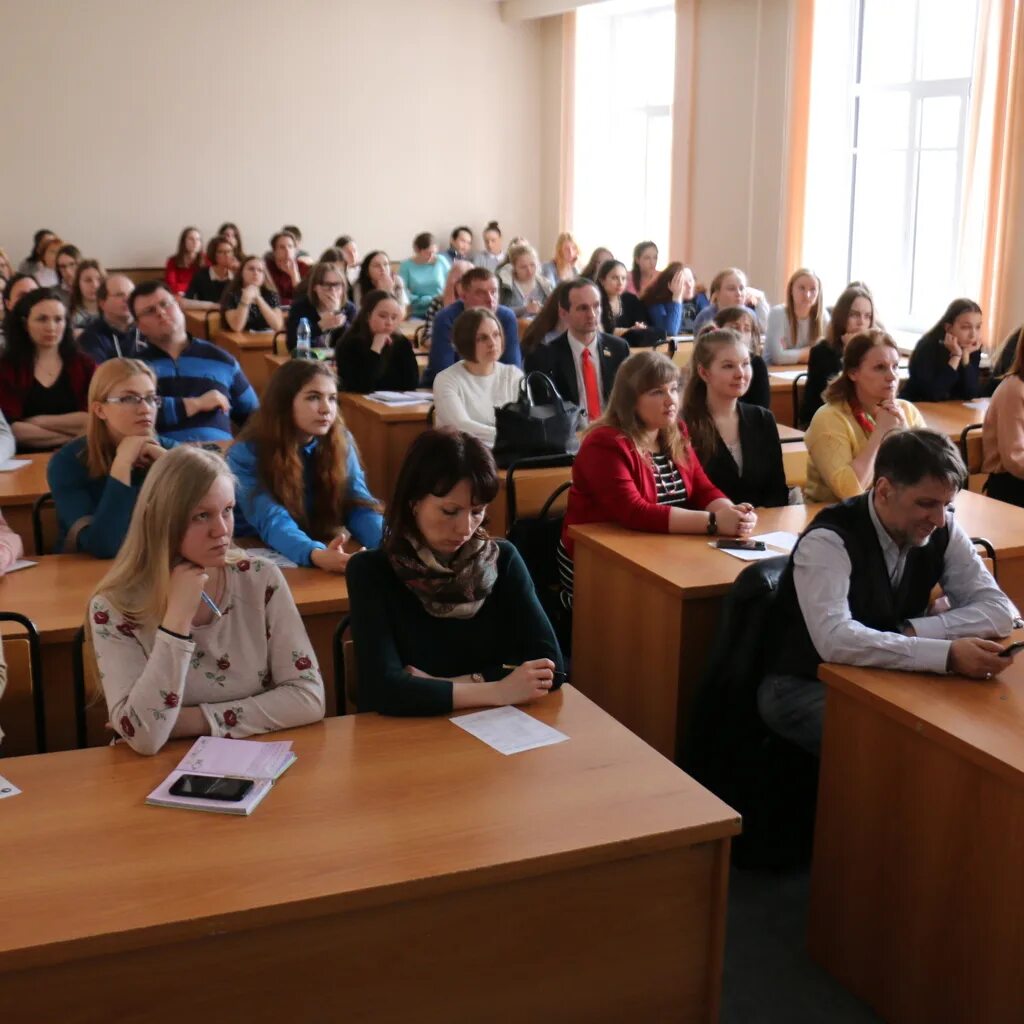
(467, 401)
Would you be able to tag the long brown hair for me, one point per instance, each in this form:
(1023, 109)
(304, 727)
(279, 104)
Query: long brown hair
(546, 320)
(732, 315)
(1017, 366)
(100, 448)
(642, 371)
(815, 316)
(660, 290)
(76, 289)
(841, 388)
(180, 255)
(841, 313)
(699, 422)
(279, 469)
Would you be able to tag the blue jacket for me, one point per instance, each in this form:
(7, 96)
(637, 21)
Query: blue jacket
(258, 512)
(443, 354)
(667, 316)
(103, 341)
(108, 501)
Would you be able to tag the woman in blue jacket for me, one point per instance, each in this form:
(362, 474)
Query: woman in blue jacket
(300, 485)
(664, 299)
(95, 480)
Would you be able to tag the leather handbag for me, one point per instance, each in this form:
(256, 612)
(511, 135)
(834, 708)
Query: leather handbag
(539, 422)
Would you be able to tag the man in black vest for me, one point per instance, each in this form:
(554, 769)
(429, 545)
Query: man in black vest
(858, 584)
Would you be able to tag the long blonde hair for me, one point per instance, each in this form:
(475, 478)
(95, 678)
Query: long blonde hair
(138, 580)
(564, 236)
(642, 371)
(100, 447)
(699, 421)
(815, 317)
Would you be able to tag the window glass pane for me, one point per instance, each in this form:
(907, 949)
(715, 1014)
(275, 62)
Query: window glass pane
(946, 39)
(940, 122)
(887, 52)
(935, 236)
(883, 121)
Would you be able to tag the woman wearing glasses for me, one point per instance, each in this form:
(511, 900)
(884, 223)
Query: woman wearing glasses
(324, 308)
(96, 479)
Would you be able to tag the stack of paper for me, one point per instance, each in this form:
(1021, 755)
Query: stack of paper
(215, 757)
(401, 397)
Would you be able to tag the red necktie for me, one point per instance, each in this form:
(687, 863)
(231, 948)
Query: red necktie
(590, 385)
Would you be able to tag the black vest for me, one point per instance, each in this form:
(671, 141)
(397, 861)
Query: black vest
(873, 602)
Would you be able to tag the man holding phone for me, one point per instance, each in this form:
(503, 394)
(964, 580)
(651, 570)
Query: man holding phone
(858, 587)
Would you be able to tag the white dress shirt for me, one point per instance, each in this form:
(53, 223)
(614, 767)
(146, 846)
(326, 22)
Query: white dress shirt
(576, 346)
(821, 574)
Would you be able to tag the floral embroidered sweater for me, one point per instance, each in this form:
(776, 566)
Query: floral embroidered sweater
(251, 672)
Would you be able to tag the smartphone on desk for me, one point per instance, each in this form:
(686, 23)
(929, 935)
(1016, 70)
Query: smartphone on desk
(732, 544)
(1012, 649)
(210, 787)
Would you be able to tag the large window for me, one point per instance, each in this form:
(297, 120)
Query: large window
(622, 145)
(889, 115)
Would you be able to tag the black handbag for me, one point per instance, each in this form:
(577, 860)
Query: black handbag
(530, 427)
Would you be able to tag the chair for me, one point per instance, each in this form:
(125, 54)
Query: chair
(796, 396)
(970, 447)
(84, 676)
(44, 524)
(770, 781)
(419, 337)
(346, 681)
(18, 667)
(520, 465)
(212, 321)
(279, 346)
(988, 555)
(536, 539)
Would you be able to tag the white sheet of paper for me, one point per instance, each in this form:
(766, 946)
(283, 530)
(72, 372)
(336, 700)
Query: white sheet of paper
(978, 403)
(787, 374)
(509, 730)
(14, 464)
(21, 563)
(7, 788)
(778, 539)
(401, 397)
(747, 556)
(250, 759)
(270, 555)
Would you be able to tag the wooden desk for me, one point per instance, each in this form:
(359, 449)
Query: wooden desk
(916, 890)
(54, 595)
(250, 348)
(196, 323)
(383, 434)
(19, 490)
(950, 418)
(646, 608)
(533, 488)
(401, 870)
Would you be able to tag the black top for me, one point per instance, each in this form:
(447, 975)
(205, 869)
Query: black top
(361, 369)
(256, 320)
(632, 311)
(763, 480)
(932, 379)
(56, 400)
(555, 359)
(760, 390)
(823, 364)
(392, 629)
(204, 288)
(303, 307)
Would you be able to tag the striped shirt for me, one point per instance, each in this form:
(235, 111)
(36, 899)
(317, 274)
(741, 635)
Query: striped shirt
(670, 491)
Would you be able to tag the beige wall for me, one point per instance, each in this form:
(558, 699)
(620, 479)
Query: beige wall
(337, 115)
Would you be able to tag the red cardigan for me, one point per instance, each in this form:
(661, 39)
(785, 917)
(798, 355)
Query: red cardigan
(178, 278)
(613, 482)
(16, 382)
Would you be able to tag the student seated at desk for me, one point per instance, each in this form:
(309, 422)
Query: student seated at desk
(859, 581)
(208, 283)
(84, 303)
(300, 483)
(424, 274)
(186, 262)
(452, 293)
(467, 393)
(375, 275)
(95, 480)
(33, 263)
(945, 362)
(853, 312)
(860, 408)
(1002, 436)
(645, 268)
(250, 302)
(1003, 358)
(744, 322)
(621, 311)
(284, 266)
(44, 378)
(563, 266)
(737, 444)
(637, 468)
(593, 265)
(373, 355)
(524, 289)
(797, 324)
(324, 308)
(170, 665)
(663, 299)
(549, 323)
(444, 616)
(729, 288)
(113, 334)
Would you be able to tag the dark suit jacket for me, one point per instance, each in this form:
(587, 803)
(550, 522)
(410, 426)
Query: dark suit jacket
(555, 359)
(763, 480)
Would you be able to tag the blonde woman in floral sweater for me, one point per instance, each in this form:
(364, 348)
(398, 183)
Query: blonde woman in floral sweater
(191, 637)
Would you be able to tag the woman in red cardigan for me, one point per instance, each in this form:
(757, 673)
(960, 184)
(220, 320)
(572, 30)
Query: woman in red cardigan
(636, 467)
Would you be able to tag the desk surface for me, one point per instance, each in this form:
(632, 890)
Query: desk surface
(22, 486)
(388, 413)
(950, 418)
(247, 339)
(376, 810)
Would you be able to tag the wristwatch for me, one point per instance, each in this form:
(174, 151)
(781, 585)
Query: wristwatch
(712, 524)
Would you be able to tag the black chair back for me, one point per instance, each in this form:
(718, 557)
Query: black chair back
(36, 669)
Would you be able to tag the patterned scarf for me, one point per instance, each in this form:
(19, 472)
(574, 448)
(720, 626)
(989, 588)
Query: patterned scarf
(452, 591)
(867, 423)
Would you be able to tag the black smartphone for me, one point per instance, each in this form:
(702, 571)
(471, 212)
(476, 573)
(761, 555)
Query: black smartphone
(1009, 652)
(731, 544)
(210, 787)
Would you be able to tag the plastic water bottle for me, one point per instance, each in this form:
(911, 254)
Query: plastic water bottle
(302, 336)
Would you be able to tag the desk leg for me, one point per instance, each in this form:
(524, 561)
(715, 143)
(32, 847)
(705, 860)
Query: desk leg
(916, 889)
(782, 407)
(19, 519)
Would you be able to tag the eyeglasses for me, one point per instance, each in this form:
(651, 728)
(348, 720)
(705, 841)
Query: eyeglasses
(135, 400)
(161, 307)
(332, 284)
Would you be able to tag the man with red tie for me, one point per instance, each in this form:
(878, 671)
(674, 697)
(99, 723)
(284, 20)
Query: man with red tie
(582, 362)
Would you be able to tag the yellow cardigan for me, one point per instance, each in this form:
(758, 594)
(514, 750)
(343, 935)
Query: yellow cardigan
(834, 439)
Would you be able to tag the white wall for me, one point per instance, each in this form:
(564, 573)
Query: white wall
(125, 121)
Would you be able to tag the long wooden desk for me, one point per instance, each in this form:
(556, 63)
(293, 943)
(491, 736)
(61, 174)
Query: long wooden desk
(646, 608)
(916, 891)
(54, 595)
(250, 349)
(203, 323)
(19, 490)
(950, 418)
(400, 871)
